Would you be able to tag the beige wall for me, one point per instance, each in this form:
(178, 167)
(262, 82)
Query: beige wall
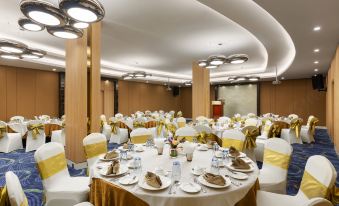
(28, 92)
(107, 98)
(332, 97)
(293, 96)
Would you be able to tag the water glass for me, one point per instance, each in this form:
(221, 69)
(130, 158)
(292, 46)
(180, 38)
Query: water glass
(215, 166)
(176, 171)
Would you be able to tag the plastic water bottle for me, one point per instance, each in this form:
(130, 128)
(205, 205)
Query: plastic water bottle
(215, 166)
(176, 171)
(215, 147)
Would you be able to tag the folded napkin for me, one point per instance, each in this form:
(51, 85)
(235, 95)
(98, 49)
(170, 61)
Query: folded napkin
(233, 152)
(113, 168)
(153, 180)
(111, 155)
(214, 179)
(240, 164)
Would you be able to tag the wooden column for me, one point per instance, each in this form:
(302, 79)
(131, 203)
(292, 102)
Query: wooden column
(82, 90)
(94, 55)
(76, 98)
(200, 91)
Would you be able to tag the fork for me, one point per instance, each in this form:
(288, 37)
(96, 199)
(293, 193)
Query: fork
(233, 182)
(202, 187)
(176, 184)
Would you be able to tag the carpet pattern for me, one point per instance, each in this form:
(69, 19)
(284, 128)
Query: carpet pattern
(23, 165)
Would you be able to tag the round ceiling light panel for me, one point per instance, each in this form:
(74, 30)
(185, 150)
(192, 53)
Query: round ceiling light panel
(83, 10)
(65, 32)
(237, 59)
(10, 46)
(10, 56)
(216, 60)
(42, 12)
(30, 25)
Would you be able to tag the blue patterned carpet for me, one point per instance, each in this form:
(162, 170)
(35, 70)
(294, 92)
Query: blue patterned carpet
(24, 166)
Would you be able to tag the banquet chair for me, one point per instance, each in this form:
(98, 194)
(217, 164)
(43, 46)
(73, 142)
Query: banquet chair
(140, 135)
(307, 131)
(35, 135)
(157, 128)
(103, 118)
(181, 122)
(233, 138)
(44, 118)
(17, 127)
(273, 175)
(95, 144)
(57, 183)
(251, 133)
(251, 122)
(59, 136)
(114, 131)
(319, 177)
(318, 201)
(201, 119)
(17, 119)
(293, 116)
(261, 141)
(9, 141)
(119, 116)
(251, 115)
(224, 120)
(203, 128)
(187, 133)
(292, 134)
(15, 192)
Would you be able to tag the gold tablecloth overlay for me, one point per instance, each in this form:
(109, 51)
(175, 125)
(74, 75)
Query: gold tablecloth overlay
(105, 193)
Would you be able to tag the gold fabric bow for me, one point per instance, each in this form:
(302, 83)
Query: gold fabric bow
(170, 127)
(114, 126)
(35, 128)
(314, 121)
(3, 131)
(202, 137)
(251, 134)
(160, 126)
(102, 124)
(138, 124)
(275, 131)
(296, 126)
(179, 114)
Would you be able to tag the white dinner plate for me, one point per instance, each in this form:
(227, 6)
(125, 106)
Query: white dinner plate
(204, 182)
(166, 182)
(196, 172)
(129, 180)
(240, 156)
(139, 149)
(229, 166)
(238, 175)
(123, 169)
(190, 187)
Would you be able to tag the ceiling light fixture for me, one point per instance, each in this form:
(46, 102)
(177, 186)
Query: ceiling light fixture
(202, 63)
(79, 25)
(10, 46)
(30, 25)
(42, 12)
(65, 32)
(316, 62)
(231, 79)
(316, 50)
(237, 58)
(316, 28)
(135, 75)
(188, 83)
(84, 11)
(10, 56)
(253, 79)
(241, 78)
(316, 70)
(38, 52)
(211, 67)
(282, 78)
(216, 60)
(32, 54)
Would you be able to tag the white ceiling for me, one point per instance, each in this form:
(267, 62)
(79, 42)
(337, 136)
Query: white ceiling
(164, 37)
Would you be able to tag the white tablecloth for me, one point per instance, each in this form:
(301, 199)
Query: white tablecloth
(214, 197)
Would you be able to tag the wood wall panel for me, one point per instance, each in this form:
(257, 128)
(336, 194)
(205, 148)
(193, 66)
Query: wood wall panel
(200, 92)
(28, 92)
(107, 98)
(293, 96)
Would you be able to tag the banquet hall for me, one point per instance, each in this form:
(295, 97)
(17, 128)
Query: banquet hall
(169, 103)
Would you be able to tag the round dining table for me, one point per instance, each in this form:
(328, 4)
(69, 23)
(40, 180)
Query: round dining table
(150, 160)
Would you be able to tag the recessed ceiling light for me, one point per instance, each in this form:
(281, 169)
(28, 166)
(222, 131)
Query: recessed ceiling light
(317, 28)
(10, 56)
(84, 11)
(316, 70)
(188, 83)
(65, 32)
(202, 63)
(240, 78)
(30, 25)
(316, 50)
(53, 70)
(211, 67)
(282, 78)
(316, 62)
(253, 79)
(42, 12)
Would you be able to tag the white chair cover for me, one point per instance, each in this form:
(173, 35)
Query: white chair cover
(18, 127)
(261, 140)
(95, 144)
(305, 134)
(15, 192)
(273, 174)
(224, 120)
(188, 132)
(290, 137)
(320, 169)
(17, 118)
(203, 128)
(10, 141)
(318, 201)
(233, 137)
(59, 136)
(140, 135)
(33, 143)
(57, 183)
(251, 122)
(181, 122)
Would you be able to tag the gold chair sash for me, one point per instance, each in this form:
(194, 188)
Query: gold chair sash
(140, 139)
(35, 129)
(228, 142)
(160, 126)
(202, 137)
(96, 149)
(311, 187)
(138, 124)
(170, 127)
(114, 126)
(102, 123)
(52, 165)
(251, 134)
(24, 202)
(181, 124)
(3, 131)
(276, 159)
(275, 131)
(186, 138)
(296, 126)
(4, 199)
(313, 123)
